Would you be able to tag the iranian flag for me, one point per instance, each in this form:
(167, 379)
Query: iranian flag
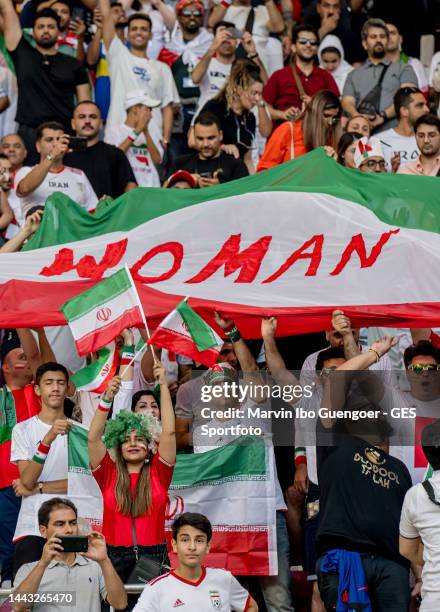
(295, 242)
(82, 488)
(234, 486)
(98, 315)
(185, 333)
(95, 376)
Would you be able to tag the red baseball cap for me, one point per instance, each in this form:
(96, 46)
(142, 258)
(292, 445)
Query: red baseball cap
(182, 175)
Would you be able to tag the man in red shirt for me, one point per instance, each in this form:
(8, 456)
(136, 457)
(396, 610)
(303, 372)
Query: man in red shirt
(281, 91)
(18, 402)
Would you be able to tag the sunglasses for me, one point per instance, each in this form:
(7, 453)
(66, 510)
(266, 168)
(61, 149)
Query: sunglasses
(418, 368)
(307, 41)
(189, 13)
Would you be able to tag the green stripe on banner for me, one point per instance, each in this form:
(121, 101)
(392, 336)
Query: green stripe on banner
(396, 199)
(78, 450)
(200, 331)
(244, 459)
(104, 291)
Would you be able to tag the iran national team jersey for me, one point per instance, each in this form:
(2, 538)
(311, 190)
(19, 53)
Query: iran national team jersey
(137, 154)
(71, 181)
(216, 589)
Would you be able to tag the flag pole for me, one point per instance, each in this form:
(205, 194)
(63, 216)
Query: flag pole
(144, 320)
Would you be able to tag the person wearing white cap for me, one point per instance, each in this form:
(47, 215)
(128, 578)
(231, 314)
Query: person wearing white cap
(139, 138)
(368, 156)
(131, 69)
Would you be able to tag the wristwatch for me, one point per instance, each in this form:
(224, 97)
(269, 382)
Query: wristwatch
(49, 157)
(40, 488)
(384, 116)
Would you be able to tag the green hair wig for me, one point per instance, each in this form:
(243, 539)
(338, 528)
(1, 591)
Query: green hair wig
(146, 425)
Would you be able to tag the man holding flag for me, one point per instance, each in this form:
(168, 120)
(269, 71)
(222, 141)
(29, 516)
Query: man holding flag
(39, 449)
(17, 403)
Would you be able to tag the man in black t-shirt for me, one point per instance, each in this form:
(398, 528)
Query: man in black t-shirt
(362, 489)
(106, 166)
(210, 165)
(48, 81)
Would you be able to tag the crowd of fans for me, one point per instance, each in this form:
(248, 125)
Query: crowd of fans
(99, 97)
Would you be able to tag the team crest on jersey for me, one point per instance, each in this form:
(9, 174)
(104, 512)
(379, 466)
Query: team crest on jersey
(215, 600)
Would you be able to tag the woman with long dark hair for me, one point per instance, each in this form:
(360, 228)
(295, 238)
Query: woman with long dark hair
(317, 126)
(135, 482)
(346, 148)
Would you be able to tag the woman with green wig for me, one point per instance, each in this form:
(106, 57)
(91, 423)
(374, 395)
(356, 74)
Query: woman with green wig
(134, 483)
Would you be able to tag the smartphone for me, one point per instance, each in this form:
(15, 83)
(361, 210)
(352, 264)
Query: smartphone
(74, 543)
(78, 13)
(77, 143)
(235, 33)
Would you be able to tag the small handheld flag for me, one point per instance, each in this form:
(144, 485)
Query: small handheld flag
(184, 332)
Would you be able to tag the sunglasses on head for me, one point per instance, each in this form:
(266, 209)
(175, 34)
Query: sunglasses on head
(418, 368)
(189, 13)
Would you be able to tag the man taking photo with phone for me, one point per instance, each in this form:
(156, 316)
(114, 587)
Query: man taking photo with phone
(35, 184)
(210, 165)
(82, 579)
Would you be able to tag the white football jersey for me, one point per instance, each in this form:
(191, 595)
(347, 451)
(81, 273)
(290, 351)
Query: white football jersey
(216, 589)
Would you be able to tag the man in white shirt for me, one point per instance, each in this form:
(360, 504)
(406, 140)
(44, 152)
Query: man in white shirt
(134, 138)
(213, 70)
(35, 184)
(419, 528)
(266, 20)
(191, 586)
(39, 448)
(412, 410)
(400, 141)
(131, 69)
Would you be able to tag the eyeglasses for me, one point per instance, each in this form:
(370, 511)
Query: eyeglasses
(307, 41)
(374, 163)
(188, 13)
(418, 368)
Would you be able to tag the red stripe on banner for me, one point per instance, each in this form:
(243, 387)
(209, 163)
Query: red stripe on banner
(244, 553)
(32, 304)
(98, 338)
(182, 345)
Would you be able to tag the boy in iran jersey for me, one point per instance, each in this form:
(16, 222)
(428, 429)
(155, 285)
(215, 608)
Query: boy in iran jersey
(191, 586)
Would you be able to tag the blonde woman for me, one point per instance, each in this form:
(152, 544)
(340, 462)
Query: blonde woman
(233, 107)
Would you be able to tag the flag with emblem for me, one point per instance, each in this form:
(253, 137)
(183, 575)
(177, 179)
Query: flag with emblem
(95, 376)
(98, 315)
(184, 332)
(234, 486)
(82, 488)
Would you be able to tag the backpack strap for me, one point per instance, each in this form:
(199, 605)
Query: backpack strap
(430, 491)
